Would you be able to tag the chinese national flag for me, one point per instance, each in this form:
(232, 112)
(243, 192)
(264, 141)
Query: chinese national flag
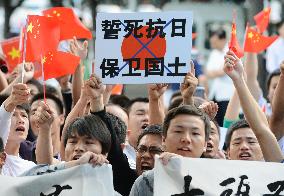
(11, 50)
(262, 19)
(234, 44)
(43, 35)
(57, 63)
(70, 25)
(255, 42)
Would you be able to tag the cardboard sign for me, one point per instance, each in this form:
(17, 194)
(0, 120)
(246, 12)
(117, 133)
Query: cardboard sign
(137, 48)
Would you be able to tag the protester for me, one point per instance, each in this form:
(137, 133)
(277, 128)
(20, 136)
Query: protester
(149, 144)
(15, 124)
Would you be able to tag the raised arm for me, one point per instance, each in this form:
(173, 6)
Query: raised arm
(156, 103)
(44, 149)
(19, 95)
(251, 69)
(187, 88)
(77, 111)
(277, 117)
(256, 118)
(28, 74)
(77, 82)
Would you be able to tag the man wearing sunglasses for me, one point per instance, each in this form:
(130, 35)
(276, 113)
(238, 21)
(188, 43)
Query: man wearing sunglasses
(149, 144)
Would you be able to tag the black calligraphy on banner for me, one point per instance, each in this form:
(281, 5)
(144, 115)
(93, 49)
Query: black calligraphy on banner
(243, 188)
(111, 28)
(155, 27)
(277, 187)
(132, 27)
(58, 190)
(187, 190)
(153, 66)
(109, 67)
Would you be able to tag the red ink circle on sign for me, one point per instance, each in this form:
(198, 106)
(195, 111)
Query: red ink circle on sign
(130, 46)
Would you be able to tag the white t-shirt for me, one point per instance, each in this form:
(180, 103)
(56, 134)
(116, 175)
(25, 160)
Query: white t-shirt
(15, 166)
(221, 88)
(130, 152)
(281, 144)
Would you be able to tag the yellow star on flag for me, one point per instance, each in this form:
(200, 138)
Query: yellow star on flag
(14, 53)
(250, 35)
(43, 60)
(30, 27)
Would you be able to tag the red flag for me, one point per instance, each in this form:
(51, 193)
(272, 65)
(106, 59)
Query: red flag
(57, 63)
(70, 25)
(234, 44)
(262, 19)
(43, 35)
(255, 42)
(12, 52)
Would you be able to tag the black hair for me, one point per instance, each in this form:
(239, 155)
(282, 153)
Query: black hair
(138, 99)
(188, 110)
(35, 83)
(175, 95)
(220, 33)
(235, 126)
(25, 107)
(279, 24)
(270, 76)
(92, 126)
(58, 102)
(151, 129)
(120, 100)
(177, 101)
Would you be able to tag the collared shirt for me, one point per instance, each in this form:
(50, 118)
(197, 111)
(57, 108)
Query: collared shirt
(130, 153)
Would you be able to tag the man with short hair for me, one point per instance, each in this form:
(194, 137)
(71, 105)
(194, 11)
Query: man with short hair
(138, 113)
(242, 143)
(254, 115)
(212, 150)
(149, 144)
(57, 107)
(185, 133)
(14, 124)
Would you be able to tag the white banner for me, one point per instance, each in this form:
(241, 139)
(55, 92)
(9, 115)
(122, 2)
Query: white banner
(83, 180)
(137, 48)
(213, 177)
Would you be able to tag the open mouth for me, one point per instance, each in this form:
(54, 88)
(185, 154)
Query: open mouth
(244, 156)
(76, 157)
(145, 166)
(20, 129)
(144, 126)
(209, 147)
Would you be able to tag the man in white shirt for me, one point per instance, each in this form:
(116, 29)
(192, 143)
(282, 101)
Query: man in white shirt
(14, 129)
(274, 54)
(221, 88)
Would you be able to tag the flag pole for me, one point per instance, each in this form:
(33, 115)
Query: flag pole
(24, 50)
(43, 81)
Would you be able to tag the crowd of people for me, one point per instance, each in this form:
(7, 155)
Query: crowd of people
(82, 122)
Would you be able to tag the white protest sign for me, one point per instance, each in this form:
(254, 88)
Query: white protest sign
(82, 180)
(212, 177)
(137, 48)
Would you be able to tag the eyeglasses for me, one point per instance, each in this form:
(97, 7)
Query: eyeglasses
(152, 150)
